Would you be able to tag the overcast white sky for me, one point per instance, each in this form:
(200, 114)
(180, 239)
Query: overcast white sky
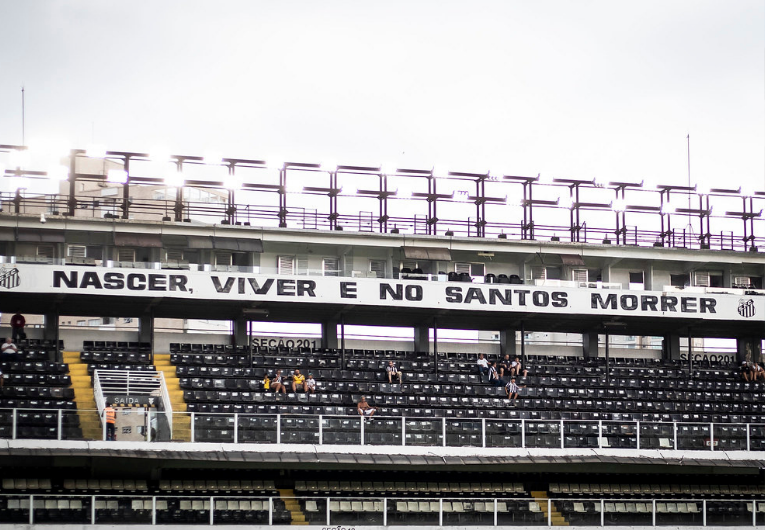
(572, 89)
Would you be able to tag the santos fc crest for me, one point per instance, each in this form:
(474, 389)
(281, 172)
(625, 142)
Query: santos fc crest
(9, 278)
(746, 307)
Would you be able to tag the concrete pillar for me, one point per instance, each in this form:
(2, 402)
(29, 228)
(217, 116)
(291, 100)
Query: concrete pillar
(50, 326)
(146, 329)
(590, 345)
(329, 334)
(507, 343)
(748, 349)
(240, 331)
(671, 348)
(422, 339)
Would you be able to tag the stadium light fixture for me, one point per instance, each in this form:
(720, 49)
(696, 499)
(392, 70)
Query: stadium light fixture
(566, 201)
(440, 172)
(58, 173)
(95, 151)
(232, 182)
(118, 176)
(668, 209)
(388, 169)
(703, 188)
(329, 166)
(175, 179)
(160, 154)
(746, 190)
(19, 158)
(212, 158)
(619, 205)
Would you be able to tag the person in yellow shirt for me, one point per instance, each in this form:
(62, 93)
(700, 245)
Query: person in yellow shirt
(298, 379)
(266, 382)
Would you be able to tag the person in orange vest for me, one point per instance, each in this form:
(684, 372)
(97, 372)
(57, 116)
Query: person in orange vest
(111, 420)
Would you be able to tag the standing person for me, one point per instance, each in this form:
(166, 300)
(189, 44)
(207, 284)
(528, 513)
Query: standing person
(110, 415)
(393, 372)
(17, 324)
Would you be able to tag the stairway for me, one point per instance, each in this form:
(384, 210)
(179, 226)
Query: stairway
(83, 396)
(556, 518)
(296, 513)
(181, 422)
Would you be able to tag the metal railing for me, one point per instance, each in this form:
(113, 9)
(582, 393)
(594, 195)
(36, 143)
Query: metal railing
(353, 430)
(379, 510)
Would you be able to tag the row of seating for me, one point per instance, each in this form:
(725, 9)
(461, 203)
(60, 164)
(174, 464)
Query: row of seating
(381, 488)
(116, 357)
(654, 490)
(104, 346)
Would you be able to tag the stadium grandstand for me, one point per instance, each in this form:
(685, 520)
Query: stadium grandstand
(182, 301)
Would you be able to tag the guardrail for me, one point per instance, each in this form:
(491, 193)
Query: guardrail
(353, 430)
(379, 511)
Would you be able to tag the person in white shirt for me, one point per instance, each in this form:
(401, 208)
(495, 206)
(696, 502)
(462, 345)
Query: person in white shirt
(310, 384)
(482, 365)
(8, 349)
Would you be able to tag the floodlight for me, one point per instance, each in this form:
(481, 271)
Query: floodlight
(461, 195)
(746, 190)
(294, 187)
(649, 184)
(233, 182)
(496, 174)
(95, 151)
(440, 172)
(667, 208)
(18, 158)
(118, 176)
(329, 166)
(598, 182)
(403, 193)
(619, 205)
(2, 170)
(275, 164)
(514, 202)
(58, 173)
(160, 154)
(702, 188)
(175, 179)
(212, 158)
(566, 201)
(388, 169)
(43, 146)
(19, 183)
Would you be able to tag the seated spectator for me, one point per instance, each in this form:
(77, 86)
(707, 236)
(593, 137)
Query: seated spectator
(757, 372)
(745, 371)
(482, 365)
(393, 371)
(516, 368)
(511, 389)
(277, 384)
(266, 383)
(8, 350)
(504, 365)
(364, 408)
(310, 384)
(494, 378)
(298, 380)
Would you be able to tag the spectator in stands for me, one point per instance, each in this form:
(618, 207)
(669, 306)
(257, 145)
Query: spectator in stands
(494, 378)
(310, 384)
(266, 382)
(505, 365)
(516, 368)
(393, 371)
(364, 408)
(298, 380)
(745, 371)
(17, 324)
(277, 384)
(482, 365)
(511, 389)
(757, 372)
(110, 415)
(8, 351)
